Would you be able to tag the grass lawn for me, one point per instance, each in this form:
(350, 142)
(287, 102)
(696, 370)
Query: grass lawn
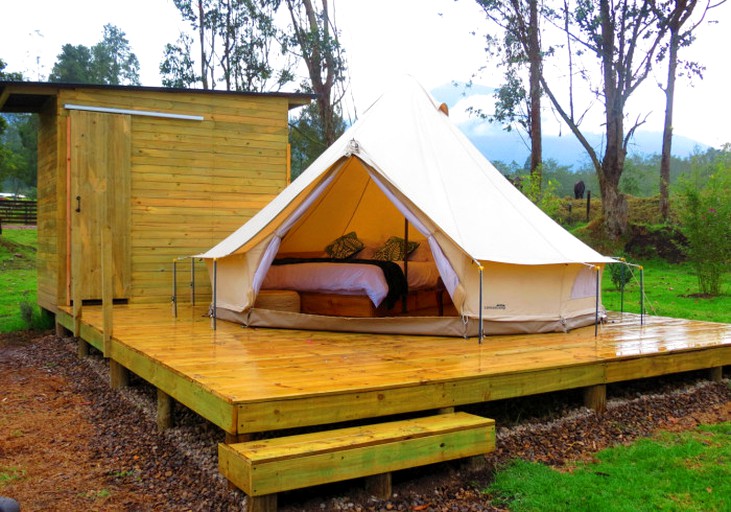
(673, 472)
(18, 280)
(669, 291)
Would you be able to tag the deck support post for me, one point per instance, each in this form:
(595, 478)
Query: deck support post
(266, 503)
(82, 348)
(61, 330)
(715, 374)
(595, 397)
(237, 438)
(445, 410)
(118, 375)
(379, 486)
(165, 409)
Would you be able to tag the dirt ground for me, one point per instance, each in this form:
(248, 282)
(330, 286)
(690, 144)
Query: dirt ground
(68, 442)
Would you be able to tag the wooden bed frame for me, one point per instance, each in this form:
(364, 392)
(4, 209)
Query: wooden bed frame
(427, 302)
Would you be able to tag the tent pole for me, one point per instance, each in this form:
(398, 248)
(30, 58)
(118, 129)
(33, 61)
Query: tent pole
(192, 282)
(174, 298)
(642, 295)
(480, 329)
(405, 298)
(596, 303)
(215, 286)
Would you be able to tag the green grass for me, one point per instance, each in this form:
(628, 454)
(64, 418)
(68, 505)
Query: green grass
(672, 472)
(669, 291)
(18, 280)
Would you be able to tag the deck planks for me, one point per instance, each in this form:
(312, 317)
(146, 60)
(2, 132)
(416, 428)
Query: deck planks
(253, 380)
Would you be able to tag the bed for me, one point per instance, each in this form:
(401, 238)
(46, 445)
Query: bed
(359, 287)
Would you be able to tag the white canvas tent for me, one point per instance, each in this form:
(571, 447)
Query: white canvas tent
(506, 265)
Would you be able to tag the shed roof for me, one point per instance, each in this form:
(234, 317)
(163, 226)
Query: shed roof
(30, 97)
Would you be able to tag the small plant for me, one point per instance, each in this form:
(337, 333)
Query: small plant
(620, 274)
(9, 474)
(26, 314)
(706, 222)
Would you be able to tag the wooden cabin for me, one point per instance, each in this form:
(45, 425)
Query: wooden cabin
(163, 172)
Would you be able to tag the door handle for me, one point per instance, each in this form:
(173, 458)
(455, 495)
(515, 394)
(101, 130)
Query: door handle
(78, 204)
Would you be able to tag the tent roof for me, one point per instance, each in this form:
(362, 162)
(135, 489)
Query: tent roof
(406, 140)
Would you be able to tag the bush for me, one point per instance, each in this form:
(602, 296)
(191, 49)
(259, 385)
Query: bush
(705, 217)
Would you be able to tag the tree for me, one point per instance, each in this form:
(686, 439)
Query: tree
(673, 16)
(113, 61)
(238, 43)
(307, 138)
(73, 65)
(313, 32)
(521, 46)
(177, 68)
(623, 38)
(110, 62)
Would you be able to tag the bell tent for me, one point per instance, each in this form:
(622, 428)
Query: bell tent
(405, 184)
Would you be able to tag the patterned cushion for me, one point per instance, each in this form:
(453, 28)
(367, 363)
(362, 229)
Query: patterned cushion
(344, 247)
(393, 250)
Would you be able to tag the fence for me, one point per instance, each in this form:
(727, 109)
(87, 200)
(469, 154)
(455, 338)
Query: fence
(18, 212)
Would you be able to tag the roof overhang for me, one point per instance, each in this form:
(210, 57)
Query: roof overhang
(31, 97)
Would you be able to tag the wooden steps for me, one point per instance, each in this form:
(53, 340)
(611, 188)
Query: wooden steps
(263, 468)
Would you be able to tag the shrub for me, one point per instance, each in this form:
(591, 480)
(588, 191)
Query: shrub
(705, 217)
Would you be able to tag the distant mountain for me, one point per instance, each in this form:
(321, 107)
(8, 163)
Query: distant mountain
(566, 150)
(497, 144)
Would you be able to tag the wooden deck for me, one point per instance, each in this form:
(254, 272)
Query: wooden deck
(257, 380)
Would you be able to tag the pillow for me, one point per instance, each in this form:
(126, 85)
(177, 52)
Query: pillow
(344, 247)
(393, 250)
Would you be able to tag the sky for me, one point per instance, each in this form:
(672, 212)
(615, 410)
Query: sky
(436, 41)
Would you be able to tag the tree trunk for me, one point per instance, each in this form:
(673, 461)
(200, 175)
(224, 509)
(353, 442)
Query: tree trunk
(534, 56)
(614, 205)
(202, 39)
(667, 134)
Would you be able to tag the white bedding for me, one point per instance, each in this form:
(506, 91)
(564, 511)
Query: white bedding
(346, 278)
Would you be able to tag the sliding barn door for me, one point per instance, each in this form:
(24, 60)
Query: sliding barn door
(100, 152)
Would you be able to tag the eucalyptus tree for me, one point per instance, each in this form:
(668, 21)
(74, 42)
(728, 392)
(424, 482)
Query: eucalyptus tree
(678, 19)
(239, 47)
(519, 47)
(617, 41)
(314, 36)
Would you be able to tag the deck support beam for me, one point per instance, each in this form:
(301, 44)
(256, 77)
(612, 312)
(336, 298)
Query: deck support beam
(595, 397)
(118, 375)
(715, 374)
(165, 409)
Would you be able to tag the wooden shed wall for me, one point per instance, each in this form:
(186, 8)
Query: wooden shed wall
(192, 182)
(49, 258)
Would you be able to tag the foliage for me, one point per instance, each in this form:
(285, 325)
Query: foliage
(110, 62)
(706, 223)
(177, 69)
(542, 196)
(314, 34)
(620, 275)
(686, 471)
(307, 138)
(238, 44)
(18, 153)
